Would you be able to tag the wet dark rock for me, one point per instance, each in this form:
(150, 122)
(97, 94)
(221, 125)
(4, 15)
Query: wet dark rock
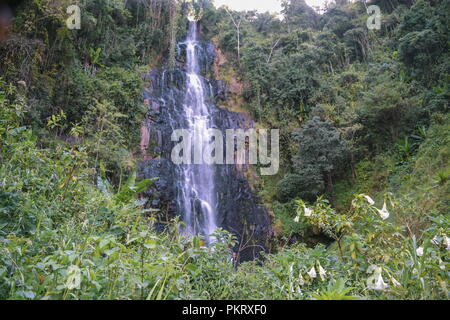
(206, 52)
(156, 203)
(220, 89)
(160, 227)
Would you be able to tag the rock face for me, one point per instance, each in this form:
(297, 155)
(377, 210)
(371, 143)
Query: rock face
(238, 209)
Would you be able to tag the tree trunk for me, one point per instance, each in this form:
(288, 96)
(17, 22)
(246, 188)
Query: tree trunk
(239, 43)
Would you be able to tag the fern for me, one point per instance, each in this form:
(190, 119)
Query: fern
(335, 291)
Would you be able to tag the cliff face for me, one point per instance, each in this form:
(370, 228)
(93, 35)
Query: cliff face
(238, 208)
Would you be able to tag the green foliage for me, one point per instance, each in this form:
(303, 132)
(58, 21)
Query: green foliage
(307, 185)
(325, 218)
(131, 189)
(321, 155)
(365, 239)
(84, 85)
(423, 40)
(12, 218)
(335, 291)
(442, 177)
(386, 94)
(285, 213)
(388, 111)
(105, 246)
(287, 275)
(75, 225)
(320, 146)
(299, 15)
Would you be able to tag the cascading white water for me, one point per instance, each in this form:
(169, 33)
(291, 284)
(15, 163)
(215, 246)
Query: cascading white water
(198, 196)
(206, 197)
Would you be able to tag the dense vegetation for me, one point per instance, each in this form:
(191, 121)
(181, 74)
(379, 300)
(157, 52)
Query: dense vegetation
(360, 208)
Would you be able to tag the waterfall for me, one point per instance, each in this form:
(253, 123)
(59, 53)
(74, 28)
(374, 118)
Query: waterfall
(206, 197)
(197, 189)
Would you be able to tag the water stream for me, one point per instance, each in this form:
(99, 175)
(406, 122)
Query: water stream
(197, 188)
(206, 197)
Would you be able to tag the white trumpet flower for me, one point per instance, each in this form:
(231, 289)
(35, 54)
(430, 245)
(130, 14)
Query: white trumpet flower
(384, 213)
(301, 280)
(369, 200)
(419, 251)
(371, 269)
(376, 281)
(308, 212)
(395, 282)
(73, 278)
(297, 219)
(435, 241)
(380, 284)
(322, 273)
(312, 273)
(441, 264)
(447, 243)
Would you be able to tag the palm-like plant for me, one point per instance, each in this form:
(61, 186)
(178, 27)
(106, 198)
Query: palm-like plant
(335, 291)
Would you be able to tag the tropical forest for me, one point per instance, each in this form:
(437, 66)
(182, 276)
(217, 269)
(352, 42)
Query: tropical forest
(190, 150)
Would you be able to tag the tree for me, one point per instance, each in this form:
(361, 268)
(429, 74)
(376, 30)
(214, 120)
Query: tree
(173, 13)
(298, 15)
(321, 150)
(306, 185)
(387, 112)
(357, 40)
(237, 24)
(423, 41)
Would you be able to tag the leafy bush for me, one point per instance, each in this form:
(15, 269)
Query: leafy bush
(307, 185)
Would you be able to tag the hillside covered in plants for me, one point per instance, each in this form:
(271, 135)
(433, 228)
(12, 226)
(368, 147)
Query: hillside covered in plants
(358, 210)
